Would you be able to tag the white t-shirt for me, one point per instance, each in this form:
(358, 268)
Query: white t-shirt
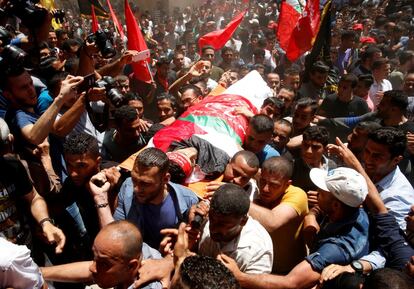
(252, 250)
(17, 268)
(383, 85)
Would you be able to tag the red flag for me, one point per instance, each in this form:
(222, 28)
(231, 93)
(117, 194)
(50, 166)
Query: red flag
(116, 22)
(95, 26)
(136, 42)
(218, 38)
(305, 31)
(290, 11)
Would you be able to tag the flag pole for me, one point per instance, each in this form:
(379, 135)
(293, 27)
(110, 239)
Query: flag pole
(149, 70)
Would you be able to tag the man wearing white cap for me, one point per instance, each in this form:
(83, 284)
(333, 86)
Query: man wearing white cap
(342, 238)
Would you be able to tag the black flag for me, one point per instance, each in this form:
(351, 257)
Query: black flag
(85, 8)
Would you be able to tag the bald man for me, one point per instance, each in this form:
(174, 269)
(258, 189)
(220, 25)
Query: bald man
(118, 251)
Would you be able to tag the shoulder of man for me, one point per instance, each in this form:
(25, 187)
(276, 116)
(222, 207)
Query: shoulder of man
(182, 191)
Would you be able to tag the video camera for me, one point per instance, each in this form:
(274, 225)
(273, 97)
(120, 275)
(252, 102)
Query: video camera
(112, 93)
(12, 58)
(5, 36)
(103, 42)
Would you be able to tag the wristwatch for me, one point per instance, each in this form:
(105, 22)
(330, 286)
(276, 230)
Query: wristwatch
(358, 267)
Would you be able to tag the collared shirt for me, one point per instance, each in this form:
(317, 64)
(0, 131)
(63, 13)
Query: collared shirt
(397, 194)
(341, 242)
(252, 249)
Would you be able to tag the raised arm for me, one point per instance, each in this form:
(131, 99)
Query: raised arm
(37, 132)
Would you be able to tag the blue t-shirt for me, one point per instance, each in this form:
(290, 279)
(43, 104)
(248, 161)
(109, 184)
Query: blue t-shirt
(159, 216)
(267, 153)
(156, 218)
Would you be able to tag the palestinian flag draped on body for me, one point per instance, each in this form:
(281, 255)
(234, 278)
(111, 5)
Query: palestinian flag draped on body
(213, 119)
(298, 28)
(218, 38)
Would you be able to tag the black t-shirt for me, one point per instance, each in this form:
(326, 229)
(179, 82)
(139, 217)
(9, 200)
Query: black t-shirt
(301, 170)
(14, 184)
(72, 193)
(333, 107)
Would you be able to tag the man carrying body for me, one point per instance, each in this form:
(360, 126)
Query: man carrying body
(343, 236)
(240, 171)
(258, 136)
(147, 199)
(231, 231)
(280, 208)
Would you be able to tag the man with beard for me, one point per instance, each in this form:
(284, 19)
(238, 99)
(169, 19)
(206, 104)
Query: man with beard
(148, 198)
(232, 232)
(343, 235)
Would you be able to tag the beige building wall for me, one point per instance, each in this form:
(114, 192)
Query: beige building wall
(151, 4)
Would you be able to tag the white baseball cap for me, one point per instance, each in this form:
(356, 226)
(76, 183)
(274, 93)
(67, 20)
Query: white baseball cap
(347, 185)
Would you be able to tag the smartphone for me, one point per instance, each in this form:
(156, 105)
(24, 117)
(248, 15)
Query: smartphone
(87, 83)
(145, 54)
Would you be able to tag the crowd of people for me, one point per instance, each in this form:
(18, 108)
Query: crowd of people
(318, 194)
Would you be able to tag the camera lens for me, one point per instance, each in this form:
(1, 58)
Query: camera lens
(104, 44)
(115, 97)
(112, 93)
